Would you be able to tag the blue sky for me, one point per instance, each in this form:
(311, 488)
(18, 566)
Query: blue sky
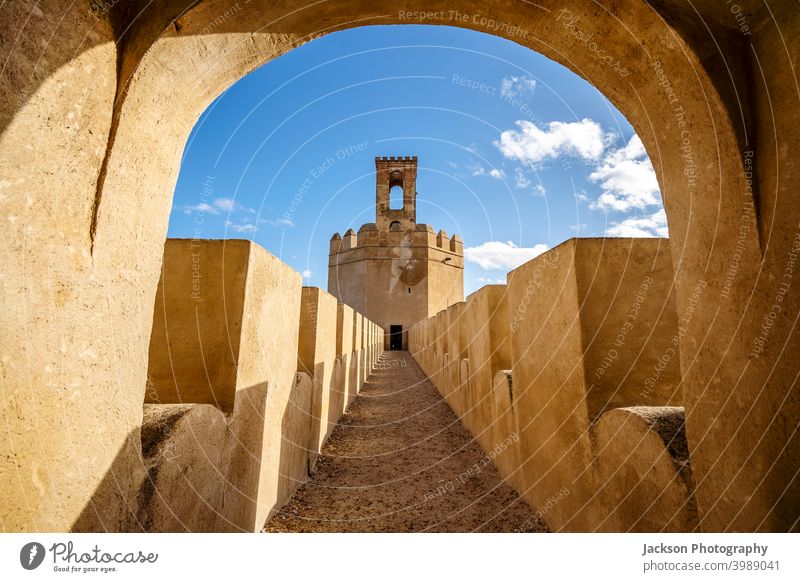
(516, 153)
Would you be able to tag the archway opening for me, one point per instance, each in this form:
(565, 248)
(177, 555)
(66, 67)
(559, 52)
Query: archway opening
(124, 157)
(511, 153)
(396, 197)
(517, 152)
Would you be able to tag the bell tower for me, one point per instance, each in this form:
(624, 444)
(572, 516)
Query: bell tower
(396, 271)
(391, 172)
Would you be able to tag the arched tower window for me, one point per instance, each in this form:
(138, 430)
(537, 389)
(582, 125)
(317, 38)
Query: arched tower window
(396, 197)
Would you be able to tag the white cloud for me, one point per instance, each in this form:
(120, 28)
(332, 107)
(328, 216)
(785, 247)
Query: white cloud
(283, 221)
(578, 227)
(218, 204)
(202, 207)
(307, 274)
(244, 228)
(530, 145)
(520, 179)
(625, 173)
(490, 281)
(651, 226)
(224, 204)
(511, 87)
(476, 169)
(502, 255)
(627, 178)
(229, 205)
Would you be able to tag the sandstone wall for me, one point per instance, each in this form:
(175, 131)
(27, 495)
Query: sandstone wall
(73, 330)
(221, 375)
(551, 375)
(316, 357)
(243, 387)
(344, 353)
(96, 110)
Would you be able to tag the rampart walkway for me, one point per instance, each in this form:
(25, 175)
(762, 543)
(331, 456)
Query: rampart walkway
(400, 461)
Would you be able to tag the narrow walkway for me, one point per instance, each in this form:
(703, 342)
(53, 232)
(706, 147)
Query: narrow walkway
(400, 461)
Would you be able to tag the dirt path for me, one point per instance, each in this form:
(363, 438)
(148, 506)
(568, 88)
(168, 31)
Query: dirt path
(398, 462)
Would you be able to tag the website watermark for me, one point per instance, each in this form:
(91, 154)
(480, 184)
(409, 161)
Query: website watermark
(570, 23)
(475, 469)
(199, 214)
(221, 19)
(549, 261)
(68, 558)
(551, 502)
(673, 350)
(390, 364)
(738, 14)
(690, 170)
(746, 220)
(492, 90)
(478, 19)
(784, 284)
(319, 170)
(626, 328)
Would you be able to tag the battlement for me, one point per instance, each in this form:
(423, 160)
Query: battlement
(456, 245)
(390, 159)
(368, 236)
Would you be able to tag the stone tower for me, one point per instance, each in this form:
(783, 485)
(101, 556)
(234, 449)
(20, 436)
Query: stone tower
(395, 271)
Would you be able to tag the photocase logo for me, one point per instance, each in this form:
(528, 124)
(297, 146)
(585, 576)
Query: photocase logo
(31, 555)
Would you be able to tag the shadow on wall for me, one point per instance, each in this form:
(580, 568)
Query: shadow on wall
(204, 468)
(110, 507)
(569, 378)
(228, 467)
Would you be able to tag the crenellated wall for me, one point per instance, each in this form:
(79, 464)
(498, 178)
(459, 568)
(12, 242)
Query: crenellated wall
(245, 385)
(397, 277)
(569, 378)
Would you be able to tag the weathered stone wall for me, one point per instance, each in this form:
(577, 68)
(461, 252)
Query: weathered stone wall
(551, 375)
(242, 388)
(73, 330)
(199, 312)
(488, 408)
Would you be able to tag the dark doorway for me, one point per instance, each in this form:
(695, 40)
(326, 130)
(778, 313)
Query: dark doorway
(395, 337)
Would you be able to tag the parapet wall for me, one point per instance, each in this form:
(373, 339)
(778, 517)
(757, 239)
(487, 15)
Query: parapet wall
(245, 384)
(422, 236)
(569, 378)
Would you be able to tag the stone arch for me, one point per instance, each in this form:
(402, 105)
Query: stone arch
(92, 136)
